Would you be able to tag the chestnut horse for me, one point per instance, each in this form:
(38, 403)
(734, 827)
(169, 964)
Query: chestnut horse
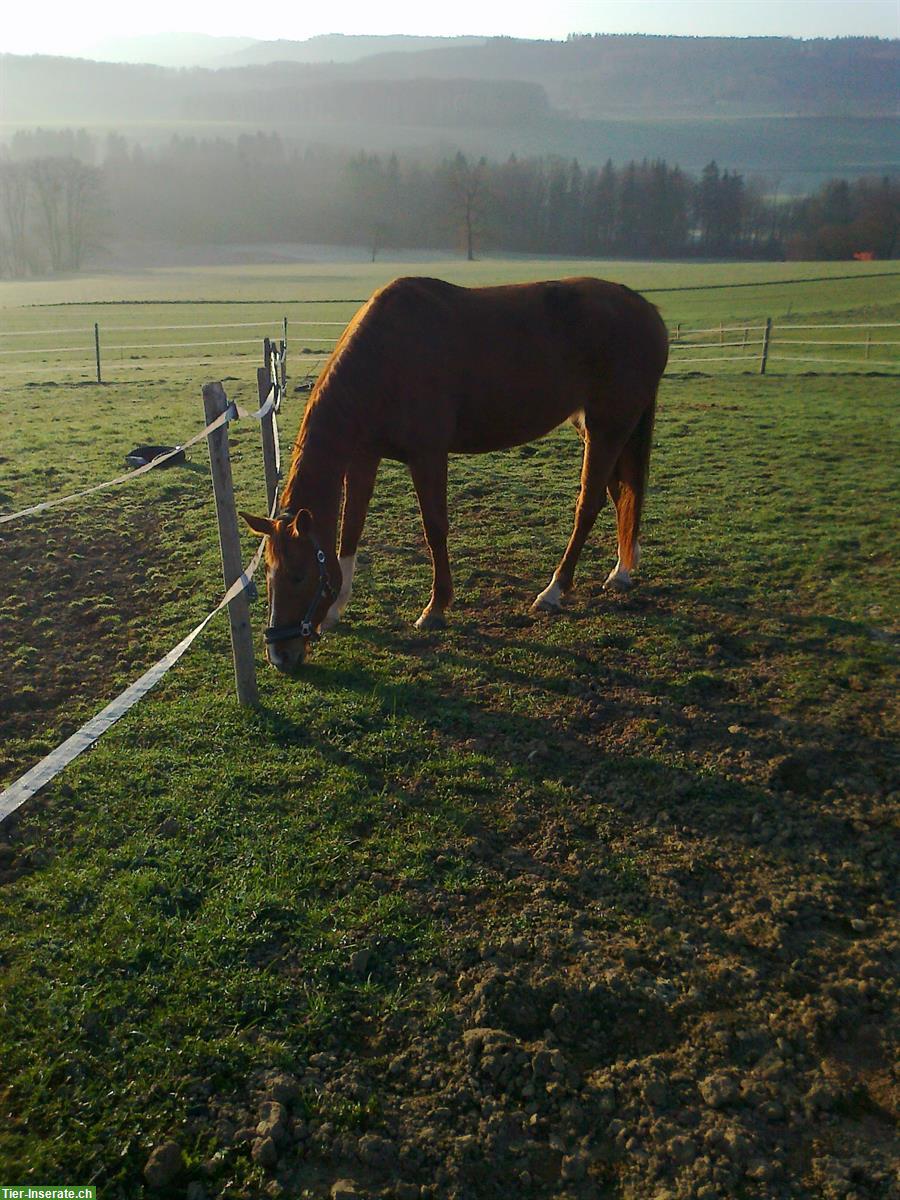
(426, 369)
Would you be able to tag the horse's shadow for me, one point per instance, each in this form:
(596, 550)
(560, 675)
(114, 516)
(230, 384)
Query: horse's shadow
(537, 747)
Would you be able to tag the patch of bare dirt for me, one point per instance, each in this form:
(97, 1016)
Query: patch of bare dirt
(635, 1005)
(77, 613)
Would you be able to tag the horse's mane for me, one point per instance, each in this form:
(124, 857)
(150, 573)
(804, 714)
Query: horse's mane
(354, 360)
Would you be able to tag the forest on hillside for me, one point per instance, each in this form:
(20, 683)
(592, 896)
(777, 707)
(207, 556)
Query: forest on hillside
(585, 77)
(56, 207)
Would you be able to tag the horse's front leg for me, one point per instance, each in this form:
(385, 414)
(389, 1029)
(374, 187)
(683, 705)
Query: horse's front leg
(429, 476)
(359, 482)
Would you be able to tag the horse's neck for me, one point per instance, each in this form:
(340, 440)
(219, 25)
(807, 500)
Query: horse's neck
(317, 476)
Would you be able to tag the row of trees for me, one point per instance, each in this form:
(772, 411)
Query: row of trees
(847, 220)
(645, 209)
(255, 189)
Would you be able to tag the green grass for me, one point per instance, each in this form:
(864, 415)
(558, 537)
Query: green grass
(140, 957)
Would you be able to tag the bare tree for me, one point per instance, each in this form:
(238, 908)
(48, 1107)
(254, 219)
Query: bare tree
(82, 210)
(68, 208)
(14, 196)
(467, 186)
(378, 237)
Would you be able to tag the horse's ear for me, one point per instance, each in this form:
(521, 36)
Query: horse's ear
(261, 525)
(302, 523)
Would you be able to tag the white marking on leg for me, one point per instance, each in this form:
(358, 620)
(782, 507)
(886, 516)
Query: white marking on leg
(620, 576)
(334, 614)
(550, 597)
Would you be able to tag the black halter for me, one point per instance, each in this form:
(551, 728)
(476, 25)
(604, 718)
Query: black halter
(305, 628)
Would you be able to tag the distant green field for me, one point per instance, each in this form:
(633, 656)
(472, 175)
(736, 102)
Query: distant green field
(665, 815)
(48, 326)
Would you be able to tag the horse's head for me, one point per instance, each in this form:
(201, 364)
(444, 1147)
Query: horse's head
(300, 586)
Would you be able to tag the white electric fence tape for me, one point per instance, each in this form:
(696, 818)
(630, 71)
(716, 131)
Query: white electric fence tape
(233, 411)
(50, 766)
(41, 774)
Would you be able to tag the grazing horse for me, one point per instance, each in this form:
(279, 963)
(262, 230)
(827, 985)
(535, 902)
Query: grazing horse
(426, 369)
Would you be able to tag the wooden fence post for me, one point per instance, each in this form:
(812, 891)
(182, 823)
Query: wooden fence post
(215, 402)
(97, 349)
(284, 355)
(267, 428)
(765, 346)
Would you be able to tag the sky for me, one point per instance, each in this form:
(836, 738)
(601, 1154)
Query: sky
(66, 28)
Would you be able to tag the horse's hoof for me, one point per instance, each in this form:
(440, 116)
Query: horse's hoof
(546, 606)
(431, 620)
(618, 583)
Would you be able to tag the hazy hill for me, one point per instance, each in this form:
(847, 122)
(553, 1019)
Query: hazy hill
(797, 111)
(586, 77)
(169, 49)
(339, 48)
(602, 76)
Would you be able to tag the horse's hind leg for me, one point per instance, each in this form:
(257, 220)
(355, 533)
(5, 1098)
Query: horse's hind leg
(359, 482)
(600, 452)
(626, 489)
(429, 476)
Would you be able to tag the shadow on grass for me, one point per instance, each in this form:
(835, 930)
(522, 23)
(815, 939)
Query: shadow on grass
(705, 718)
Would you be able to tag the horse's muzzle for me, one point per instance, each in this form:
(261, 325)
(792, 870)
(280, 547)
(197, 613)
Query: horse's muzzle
(287, 657)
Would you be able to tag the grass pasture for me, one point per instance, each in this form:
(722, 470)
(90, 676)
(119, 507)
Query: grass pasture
(594, 906)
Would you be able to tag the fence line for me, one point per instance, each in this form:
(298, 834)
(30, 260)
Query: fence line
(715, 345)
(767, 350)
(208, 361)
(855, 362)
(215, 401)
(51, 350)
(135, 346)
(855, 325)
(176, 345)
(147, 328)
(110, 347)
(718, 329)
(140, 363)
(38, 332)
(217, 325)
(821, 342)
(719, 358)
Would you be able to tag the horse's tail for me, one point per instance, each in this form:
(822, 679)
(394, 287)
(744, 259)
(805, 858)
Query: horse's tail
(642, 438)
(628, 484)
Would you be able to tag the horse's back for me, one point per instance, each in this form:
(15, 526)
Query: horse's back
(478, 369)
(560, 317)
